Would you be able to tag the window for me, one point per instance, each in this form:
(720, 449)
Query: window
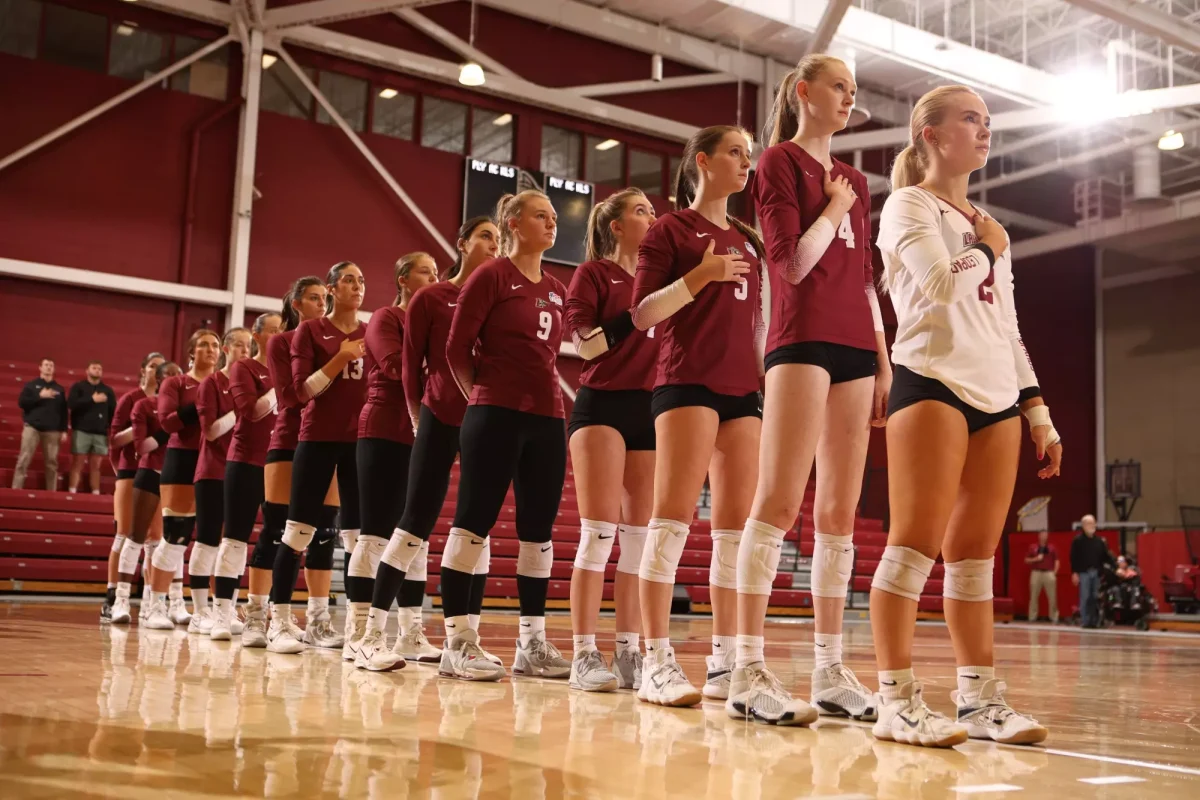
(347, 95)
(283, 93)
(75, 38)
(443, 125)
(394, 114)
(19, 22)
(492, 135)
(605, 161)
(208, 77)
(645, 171)
(560, 152)
(135, 54)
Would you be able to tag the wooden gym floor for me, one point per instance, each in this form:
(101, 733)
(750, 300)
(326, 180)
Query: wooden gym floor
(91, 711)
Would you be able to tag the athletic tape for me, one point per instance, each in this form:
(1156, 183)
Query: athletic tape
(902, 571)
(969, 580)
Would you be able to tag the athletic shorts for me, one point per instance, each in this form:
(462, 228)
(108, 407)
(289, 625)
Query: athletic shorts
(626, 411)
(126, 474)
(276, 456)
(727, 406)
(210, 511)
(147, 480)
(179, 467)
(908, 388)
(84, 443)
(842, 362)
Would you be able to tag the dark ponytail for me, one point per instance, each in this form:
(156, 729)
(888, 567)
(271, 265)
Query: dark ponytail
(331, 279)
(289, 315)
(464, 233)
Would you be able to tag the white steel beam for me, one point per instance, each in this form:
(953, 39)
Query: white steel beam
(1162, 273)
(1183, 209)
(1145, 18)
(321, 11)
(827, 28)
(243, 179)
(366, 152)
(648, 85)
(439, 34)
(93, 279)
(210, 11)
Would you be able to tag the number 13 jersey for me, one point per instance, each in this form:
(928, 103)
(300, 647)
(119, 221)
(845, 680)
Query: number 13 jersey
(331, 416)
(972, 343)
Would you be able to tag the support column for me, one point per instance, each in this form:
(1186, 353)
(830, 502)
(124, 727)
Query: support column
(1101, 511)
(243, 182)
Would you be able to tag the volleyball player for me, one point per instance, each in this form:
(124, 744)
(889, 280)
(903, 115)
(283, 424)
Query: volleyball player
(214, 406)
(436, 407)
(328, 376)
(827, 379)
(502, 350)
(699, 280)
(611, 436)
(149, 443)
(963, 379)
(123, 454)
(385, 439)
(254, 400)
(178, 416)
(305, 300)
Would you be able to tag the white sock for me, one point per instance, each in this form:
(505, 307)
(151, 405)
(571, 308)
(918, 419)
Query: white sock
(175, 591)
(474, 621)
(317, 607)
(656, 649)
(259, 599)
(281, 612)
(724, 645)
(377, 619)
(157, 597)
(199, 600)
(827, 647)
(456, 625)
(626, 641)
(112, 585)
(532, 627)
(891, 681)
(405, 615)
(123, 589)
(749, 650)
(971, 679)
(584, 642)
(223, 606)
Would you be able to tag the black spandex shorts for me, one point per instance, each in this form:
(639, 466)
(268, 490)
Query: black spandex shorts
(313, 471)
(243, 487)
(179, 467)
(210, 511)
(275, 456)
(727, 406)
(126, 474)
(147, 480)
(842, 362)
(908, 388)
(382, 484)
(626, 411)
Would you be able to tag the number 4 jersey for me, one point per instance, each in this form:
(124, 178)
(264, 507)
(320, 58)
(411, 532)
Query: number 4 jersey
(331, 416)
(968, 339)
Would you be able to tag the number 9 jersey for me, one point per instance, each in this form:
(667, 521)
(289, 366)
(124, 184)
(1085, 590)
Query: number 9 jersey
(331, 416)
(957, 321)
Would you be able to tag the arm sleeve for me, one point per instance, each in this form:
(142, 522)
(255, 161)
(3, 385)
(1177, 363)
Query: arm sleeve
(385, 343)
(29, 396)
(591, 336)
(303, 361)
(416, 344)
(655, 297)
(792, 250)
(864, 194)
(475, 302)
(1026, 378)
(911, 225)
(137, 421)
(119, 432)
(208, 404)
(168, 404)
(243, 390)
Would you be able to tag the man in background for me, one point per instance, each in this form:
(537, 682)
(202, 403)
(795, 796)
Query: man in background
(1089, 554)
(44, 404)
(92, 405)
(1042, 559)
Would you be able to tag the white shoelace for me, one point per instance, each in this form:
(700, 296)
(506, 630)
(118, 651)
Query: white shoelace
(544, 650)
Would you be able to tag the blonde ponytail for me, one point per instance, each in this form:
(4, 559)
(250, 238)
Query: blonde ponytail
(784, 122)
(908, 169)
(913, 161)
(509, 207)
(601, 241)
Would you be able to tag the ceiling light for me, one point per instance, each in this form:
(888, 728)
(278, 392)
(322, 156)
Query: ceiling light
(1171, 140)
(471, 74)
(388, 94)
(503, 119)
(1085, 97)
(268, 60)
(607, 144)
(127, 30)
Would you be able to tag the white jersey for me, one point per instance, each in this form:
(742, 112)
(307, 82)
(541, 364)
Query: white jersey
(957, 322)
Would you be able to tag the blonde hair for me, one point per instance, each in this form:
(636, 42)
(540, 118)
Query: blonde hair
(601, 241)
(784, 121)
(510, 207)
(404, 266)
(913, 161)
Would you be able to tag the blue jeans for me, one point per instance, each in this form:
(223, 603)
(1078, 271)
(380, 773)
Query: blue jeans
(1089, 590)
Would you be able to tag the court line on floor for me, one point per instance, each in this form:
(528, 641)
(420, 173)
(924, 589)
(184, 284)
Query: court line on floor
(1127, 762)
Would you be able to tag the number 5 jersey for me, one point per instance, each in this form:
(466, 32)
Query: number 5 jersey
(957, 321)
(331, 416)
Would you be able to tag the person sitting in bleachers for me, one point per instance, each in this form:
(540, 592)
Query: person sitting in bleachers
(44, 404)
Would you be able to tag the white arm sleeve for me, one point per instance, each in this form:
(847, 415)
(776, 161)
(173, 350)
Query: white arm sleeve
(911, 226)
(660, 305)
(148, 446)
(590, 345)
(1022, 363)
(264, 405)
(123, 438)
(221, 427)
(873, 302)
(809, 249)
(317, 383)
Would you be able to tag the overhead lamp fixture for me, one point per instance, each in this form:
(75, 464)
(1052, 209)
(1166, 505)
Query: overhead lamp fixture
(388, 94)
(471, 74)
(503, 119)
(607, 144)
(269, 60)
(1171, 140)
(125, 29)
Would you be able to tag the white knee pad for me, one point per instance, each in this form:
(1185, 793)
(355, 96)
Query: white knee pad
(349, 539)
(832, 564)
(204, 558)
(595, 544)
(462, 551)
(127, 563)
(632, 539)
(402, 549)
(665, 540)
(118, 543)
(534, 559)
(758, 557)
(297, 535)
(969, 580)
(484, 565)
(169, 558)
(418, 568)
(231, 559)
(722, 567)
(902, 571)
(364, 561)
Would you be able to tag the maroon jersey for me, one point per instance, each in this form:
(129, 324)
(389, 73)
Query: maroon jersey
(248, 381)
(385, 414)
(518, 327)
(213, 401)
(286, 432)
(145, 422)
(124, 457)
(710, 341)
(601, 290)
(830, 303)
(332, 416)
(427, 377)
(178, 391)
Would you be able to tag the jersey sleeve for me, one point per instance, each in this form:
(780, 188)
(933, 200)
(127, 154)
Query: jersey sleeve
(303, 359)
(583, 301)
(385, 342)
(656, 261)
(243, 390)
(279, 364)
(416, 342)
(864, 194)
(475, 302)
(208, 401)
(1027, 380)
(139, 422)
(168, 404)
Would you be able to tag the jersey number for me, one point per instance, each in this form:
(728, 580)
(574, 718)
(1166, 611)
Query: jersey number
(353, 370)
(742, 290)
(650, 332)
(846, 231)
(544, 323)
(990, 280)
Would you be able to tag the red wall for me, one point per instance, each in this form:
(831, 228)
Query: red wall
(1018, 575)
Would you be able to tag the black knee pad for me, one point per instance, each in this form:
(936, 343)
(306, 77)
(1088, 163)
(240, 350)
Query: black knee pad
(178, 530)
(320, 551)
(263, 556)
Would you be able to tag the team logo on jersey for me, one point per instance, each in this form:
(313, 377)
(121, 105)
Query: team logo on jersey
(541, 303)
(732, 251)
(554, 298)
(750, 247)
(969, 238)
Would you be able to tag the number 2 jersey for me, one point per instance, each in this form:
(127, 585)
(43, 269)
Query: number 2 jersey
(970, 340)
(331, 416)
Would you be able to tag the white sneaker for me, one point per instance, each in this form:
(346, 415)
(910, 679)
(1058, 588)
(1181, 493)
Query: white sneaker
(413, 645)
(121, 613)
(254, 634)
(284, 636)
(663, 681)
(157, 617)
(320, 633)
(989, 716)
(909, 721)
(720, 670)
(178, 612)
(627, 666)
(220, 629)
(837, 692)
(463, 658)
(495, 659)
(589, 673)
(356, 629)
(202, 621)
(237, 622)
(541, 659)
(373, 654)
(755, 693)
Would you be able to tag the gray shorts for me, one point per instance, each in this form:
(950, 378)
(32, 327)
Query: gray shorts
(83, 443)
